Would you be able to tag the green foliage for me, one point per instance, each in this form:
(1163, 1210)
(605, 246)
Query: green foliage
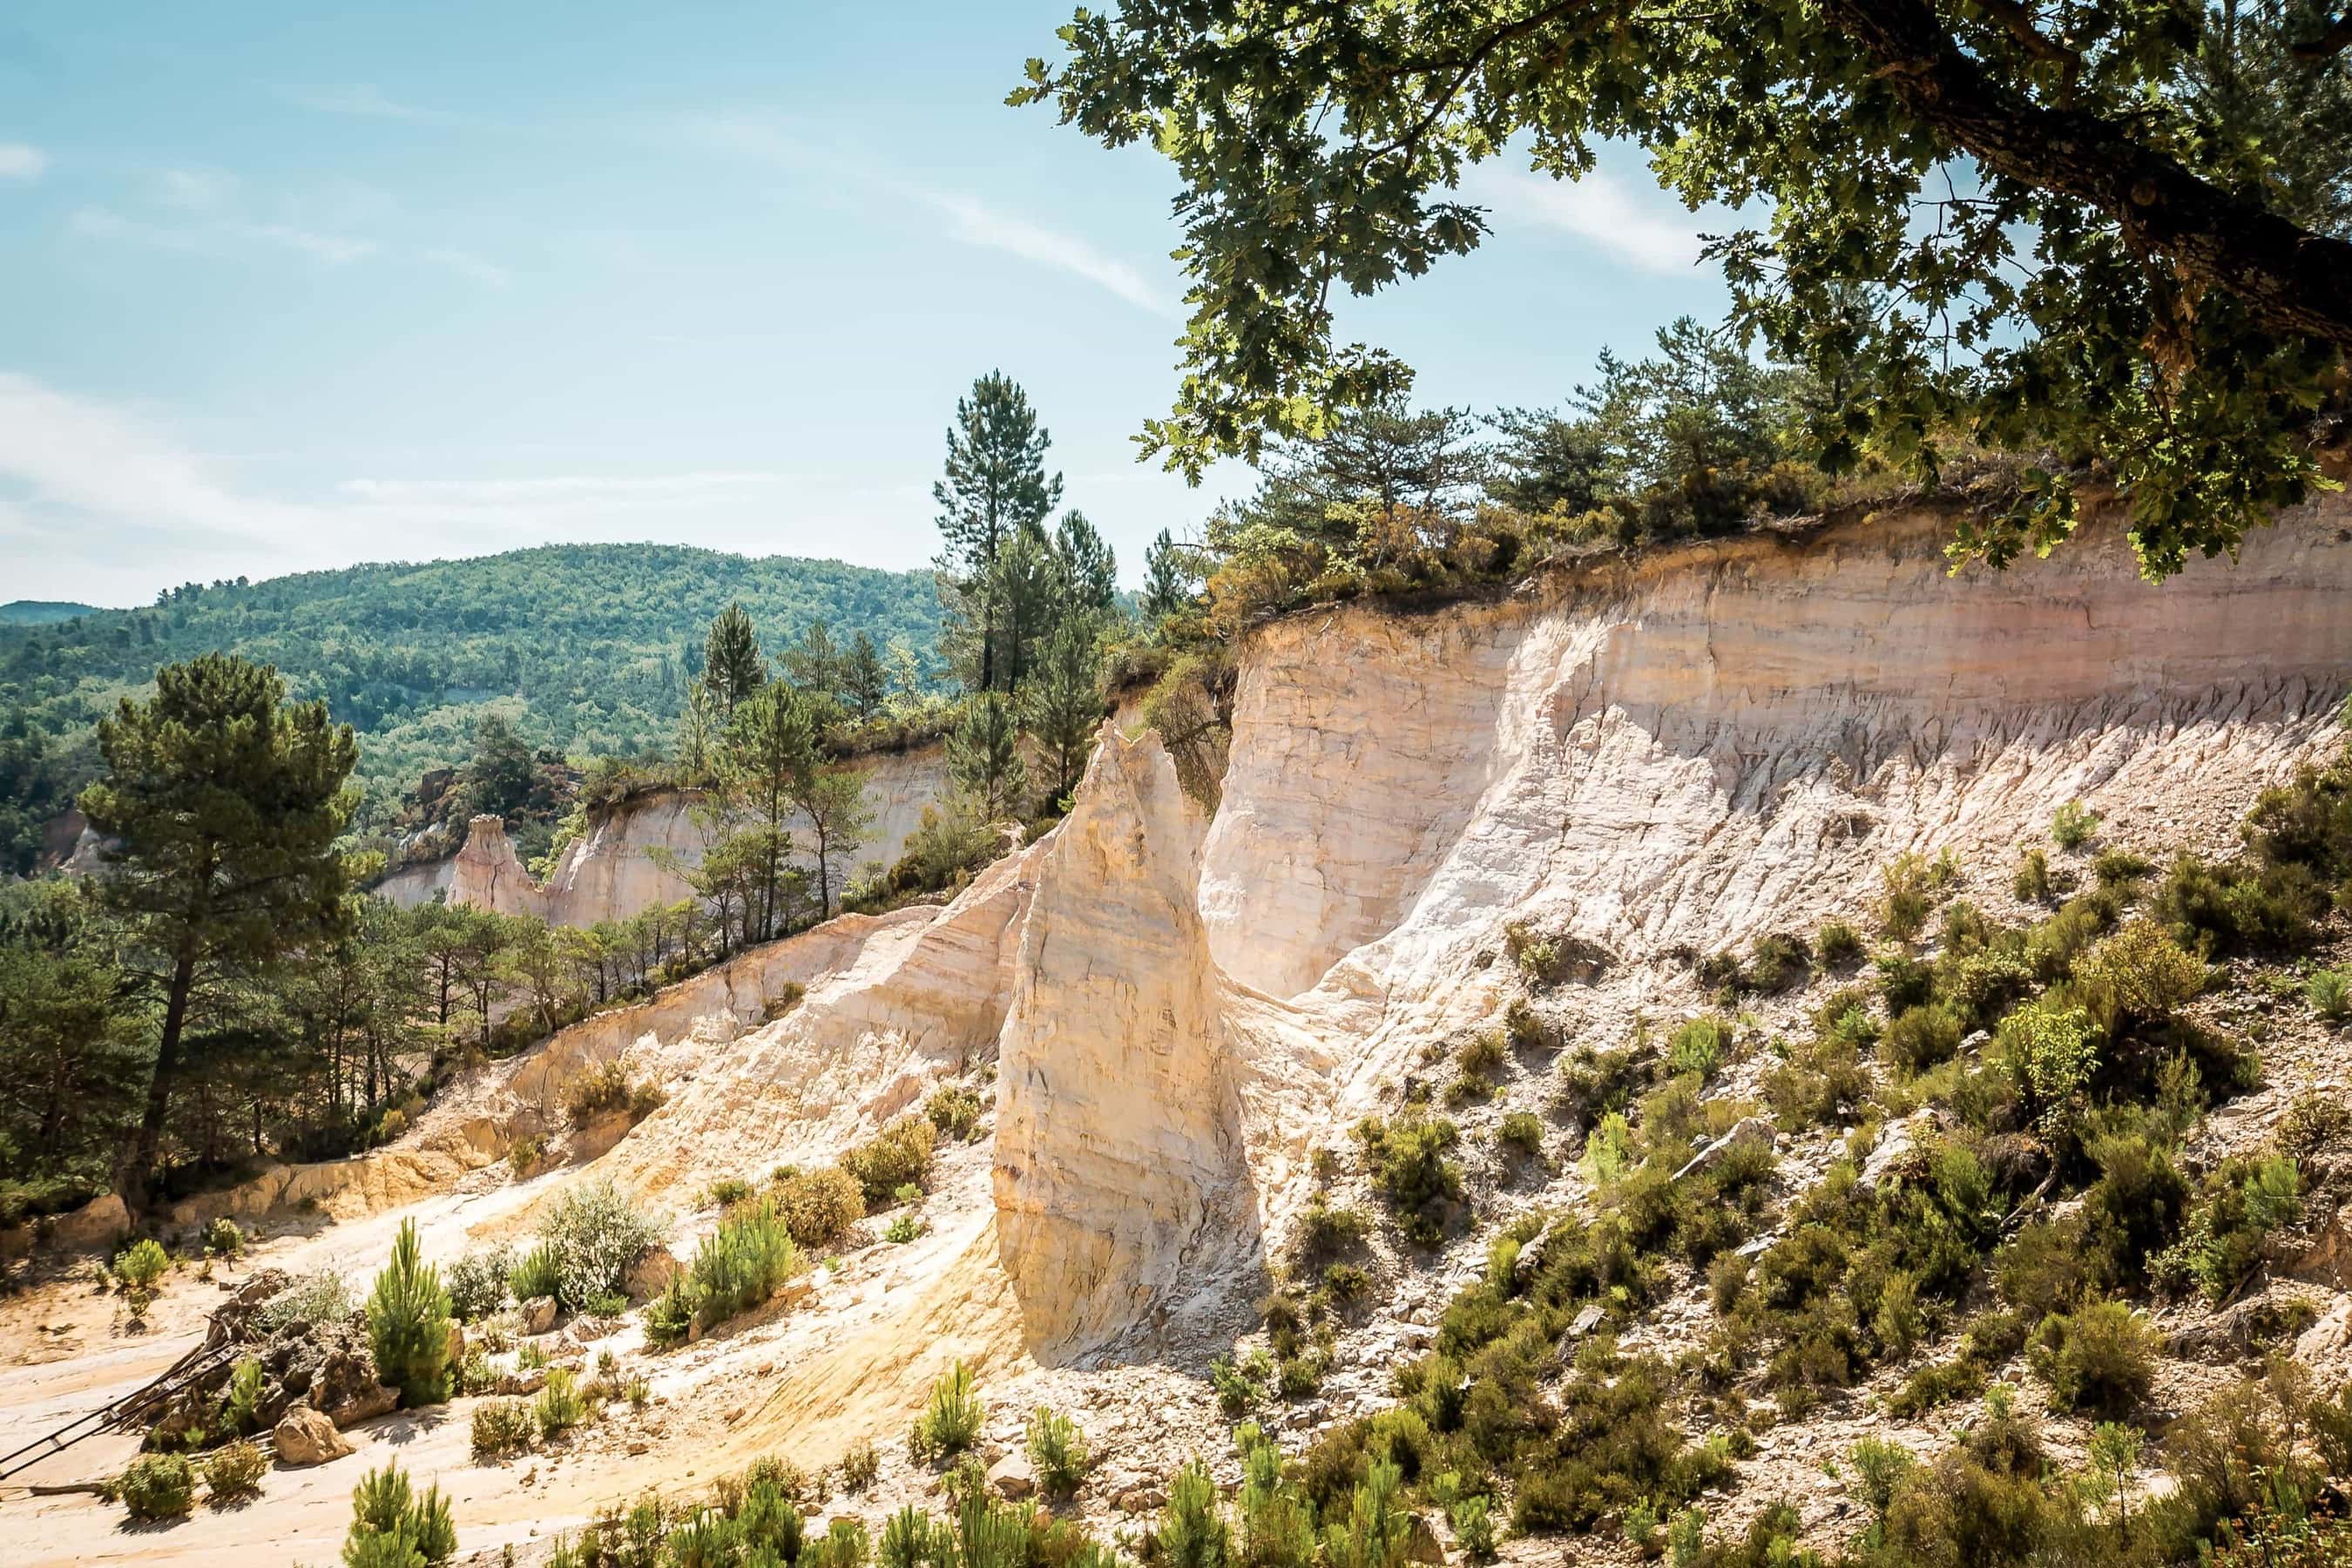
(2074, 825)
(500, 1428)
(393, 1524)
(241, 1400)
(952, 1420)
(2330, 992)
(860, 1467)
(1700, 1045)
(898, 1154)
(742, 1263)
(408, 1324)
(594, 1232)
(1838, 945)
(1411, 1171)
(1522, 1130)
(1058, 1449)
(223, 1238)
(1192, 1531)
(157, 1485)
(536, 1273)
(138, 1266)
(476, 1281)
(318, 1298)
(954, 1109)
(561, 1405)
(817, 1206)
(985, 756)
(2101, 1357)
(2242, 1202)
(233, 1472)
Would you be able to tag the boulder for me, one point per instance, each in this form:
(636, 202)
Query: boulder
(1423, 1546)
(1898, 1142)
(1749, 1130)
(523, 1380)
(364, 1404)
(1012, 1476)
(455, 1351)
(537, 1315)
(305, 1436)
(90, 1226)
(650, 1275)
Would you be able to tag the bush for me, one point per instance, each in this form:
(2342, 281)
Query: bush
(241, 1401)
(393, 1528)
(501, 1426)
(861, 1467)
(408, 1324)
(596, 1233)
(524, 1155)
(896, 1156)
(741, 1265)
(538, 1272)
(1700, 1045)
(476, 1282)
(2032, 884)
(2330, 992)
(2139, 976)
(140, 1264)
(607, 1090)
(817, 1206)
(954, 1109)
(669, 1317)
(234, 1470)
(223, 1238)
(951, 1421)
(1410, 1171)
(157, 1485)
(560, 1405)
(1058, 1449)
(1838, 945)
(2119, 867)
(1921, 1037)
(904, 1227)
(1776, 963)
(2074, 825)
(318, 1299)
(726, 1192)
(1522, 1130)
(2100, 1358)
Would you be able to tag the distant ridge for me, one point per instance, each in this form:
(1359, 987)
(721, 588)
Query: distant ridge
(41, 611)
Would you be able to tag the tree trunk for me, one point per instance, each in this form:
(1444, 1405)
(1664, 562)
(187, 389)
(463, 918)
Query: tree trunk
(150, 1136)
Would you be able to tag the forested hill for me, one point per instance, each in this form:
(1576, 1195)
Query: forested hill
(587, 648)
(40, 612)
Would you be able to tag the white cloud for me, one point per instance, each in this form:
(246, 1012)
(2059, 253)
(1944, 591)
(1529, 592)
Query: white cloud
(195, 190)
(465, 264)
(22, 161)
(977, 223)
(362, 101)
(1598, 207)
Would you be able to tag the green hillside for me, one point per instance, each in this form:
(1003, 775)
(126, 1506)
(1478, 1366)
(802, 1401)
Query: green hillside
(588, 648)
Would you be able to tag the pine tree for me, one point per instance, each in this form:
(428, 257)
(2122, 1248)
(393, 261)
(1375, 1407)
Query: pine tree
(698, 730)
(864, 682)
(814, 664)
(731, 665)
(1063, 702)
(408, 1324)
(833, 802)
(1085, 571)
(770, 744)
(223, 803)
(1028, 603)
(1167, 579)
(994, 484)
(984, 756)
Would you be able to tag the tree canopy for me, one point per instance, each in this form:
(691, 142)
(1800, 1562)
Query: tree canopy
(2105, 232)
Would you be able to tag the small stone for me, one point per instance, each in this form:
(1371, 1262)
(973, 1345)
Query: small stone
(305, 1436)
(537, 1314)
(1142, 1500)
(1012, 1478)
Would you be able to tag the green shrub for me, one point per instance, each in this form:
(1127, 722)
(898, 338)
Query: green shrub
(1324, 1230)
(223, 1238)
(951, 1421)
(860, 1467)
(318, 1298)
(2031, 885)
(1921, 1037)
(2139, 977)
(1410, 1171)
(1777, 963)
(157, 1485)
(742, 1263)
(140, 1265)
(596, 1233)
(1912, 883)
(523, 1156)
(241, 1400)
(2240, 907)
(408, 1324)
(1483, 1054)
(1058, 1449)
(500, 1428)
(2330, 992)
(954, 1111)
(1819, 1084)
(2119, 867)
(234, 1470)
(817, 1206)
(1700, 1045)
(669, 1317)
(1594, 1083)
(1522, 1130)
(2074, 825)
(2100, 1358)
(904, 1227)
(726, 1192)
(1473, 1528)
(2051, 1052)
(536, 1273)
(561, 1405)
(1838, 945)
(2243, 1200)
(896, 1156)
(476, 1282)
(391, 1525)
(1879, 1467)
(608, 1089)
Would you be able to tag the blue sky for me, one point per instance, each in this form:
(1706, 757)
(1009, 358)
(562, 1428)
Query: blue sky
(293, 286)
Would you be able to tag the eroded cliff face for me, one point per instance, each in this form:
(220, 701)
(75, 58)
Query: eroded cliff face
(617, 869)
(1680, 751)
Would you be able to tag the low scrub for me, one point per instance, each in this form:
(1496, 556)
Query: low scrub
(1410, 1170)
(818, 1206)
(898, 1155)
(157, 1487)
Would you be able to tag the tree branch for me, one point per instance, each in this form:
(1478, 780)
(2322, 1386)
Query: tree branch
(2330, 44)
(2295, 283)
